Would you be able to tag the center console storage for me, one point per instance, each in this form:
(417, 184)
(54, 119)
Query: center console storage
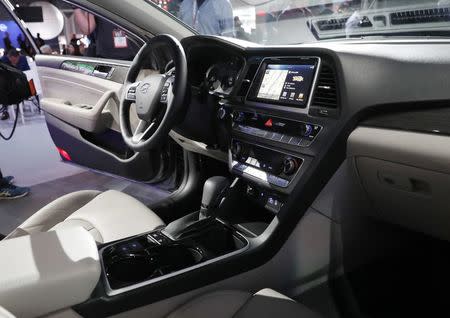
(147, 258)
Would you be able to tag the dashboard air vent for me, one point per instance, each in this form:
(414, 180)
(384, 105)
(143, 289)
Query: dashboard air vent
(326, 93)
(332, 24)
(245, 86)
(420, 16)
(341, 23)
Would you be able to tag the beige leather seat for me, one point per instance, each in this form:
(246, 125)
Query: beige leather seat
(108, 216)
(237, 304)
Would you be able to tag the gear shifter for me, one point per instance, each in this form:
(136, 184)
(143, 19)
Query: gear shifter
(214, 191)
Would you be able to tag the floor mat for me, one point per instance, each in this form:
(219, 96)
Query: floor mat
(14, 212)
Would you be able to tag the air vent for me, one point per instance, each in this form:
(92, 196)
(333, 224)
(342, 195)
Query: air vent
(420, 16)
(245, 86)
(341, 23)
(332, 24)
(326, 93)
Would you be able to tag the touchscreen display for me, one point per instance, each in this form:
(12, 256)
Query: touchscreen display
(287, 84)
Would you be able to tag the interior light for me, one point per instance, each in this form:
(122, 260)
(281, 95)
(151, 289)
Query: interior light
(64, 154)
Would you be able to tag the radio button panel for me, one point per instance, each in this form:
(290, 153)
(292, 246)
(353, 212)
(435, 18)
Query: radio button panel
(285, 131)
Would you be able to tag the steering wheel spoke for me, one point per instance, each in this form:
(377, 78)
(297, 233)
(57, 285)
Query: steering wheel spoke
(142, 130)
(131, 91)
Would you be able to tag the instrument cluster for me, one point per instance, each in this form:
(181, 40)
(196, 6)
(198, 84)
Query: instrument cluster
(221, 77)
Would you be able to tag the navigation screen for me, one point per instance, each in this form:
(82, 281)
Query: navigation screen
(288, 84)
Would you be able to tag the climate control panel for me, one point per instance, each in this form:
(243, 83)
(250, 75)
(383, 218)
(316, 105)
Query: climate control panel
(269, 166)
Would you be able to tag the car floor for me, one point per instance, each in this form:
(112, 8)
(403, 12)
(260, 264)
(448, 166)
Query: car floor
(30, 156)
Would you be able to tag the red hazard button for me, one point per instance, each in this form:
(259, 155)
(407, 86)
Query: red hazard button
(269, 123)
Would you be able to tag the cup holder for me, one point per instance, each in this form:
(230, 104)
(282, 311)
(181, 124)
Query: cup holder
(127, 268)
(130, 268)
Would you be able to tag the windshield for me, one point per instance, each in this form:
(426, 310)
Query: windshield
(300, 21)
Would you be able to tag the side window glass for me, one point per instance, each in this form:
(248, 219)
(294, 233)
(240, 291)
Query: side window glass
(13, 43)
(60, 28)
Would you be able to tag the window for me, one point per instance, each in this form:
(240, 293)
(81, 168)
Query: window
(60, 28)
(301, 21)
(12, 37)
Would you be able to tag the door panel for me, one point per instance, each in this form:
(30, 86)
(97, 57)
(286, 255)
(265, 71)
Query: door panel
(82, 116)
(84, 103)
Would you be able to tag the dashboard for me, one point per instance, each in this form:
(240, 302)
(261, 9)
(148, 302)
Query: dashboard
(281, 116)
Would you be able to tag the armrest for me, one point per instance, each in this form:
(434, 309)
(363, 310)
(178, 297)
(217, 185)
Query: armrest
(49, 271)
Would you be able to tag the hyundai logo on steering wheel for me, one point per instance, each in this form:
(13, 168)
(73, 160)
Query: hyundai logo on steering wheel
(145, 88)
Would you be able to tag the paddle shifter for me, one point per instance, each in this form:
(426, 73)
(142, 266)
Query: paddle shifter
(214, 191)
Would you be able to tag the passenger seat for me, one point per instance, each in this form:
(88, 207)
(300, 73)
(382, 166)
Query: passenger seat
(237, 304)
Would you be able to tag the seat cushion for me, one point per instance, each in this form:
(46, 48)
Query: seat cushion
(108, 216)
(227, 304)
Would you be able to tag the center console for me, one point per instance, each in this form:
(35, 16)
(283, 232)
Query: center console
(272, 133)
(145, 259)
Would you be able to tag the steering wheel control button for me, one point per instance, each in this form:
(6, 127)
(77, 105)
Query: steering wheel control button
(131, 94)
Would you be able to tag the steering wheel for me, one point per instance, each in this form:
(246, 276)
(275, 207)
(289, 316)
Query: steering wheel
(159, 97)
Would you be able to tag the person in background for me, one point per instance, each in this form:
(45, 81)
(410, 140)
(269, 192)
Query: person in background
(210, 17)
(39, 41)
(70, 49)
(22, 44)
(74, 40)
(108, 40)
(7, 42)
(239, 30)
(13, 58)
(64, 50)
(8, 191)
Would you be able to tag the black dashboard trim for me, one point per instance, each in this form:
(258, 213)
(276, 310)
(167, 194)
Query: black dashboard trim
(428, 118)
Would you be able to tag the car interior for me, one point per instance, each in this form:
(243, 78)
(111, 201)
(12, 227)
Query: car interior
(311, 179)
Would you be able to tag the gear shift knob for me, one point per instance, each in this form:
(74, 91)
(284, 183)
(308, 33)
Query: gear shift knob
(214, 190)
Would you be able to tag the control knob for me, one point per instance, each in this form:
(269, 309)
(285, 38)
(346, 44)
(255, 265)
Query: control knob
(306, 130)
(290, 166)
(239, 151)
